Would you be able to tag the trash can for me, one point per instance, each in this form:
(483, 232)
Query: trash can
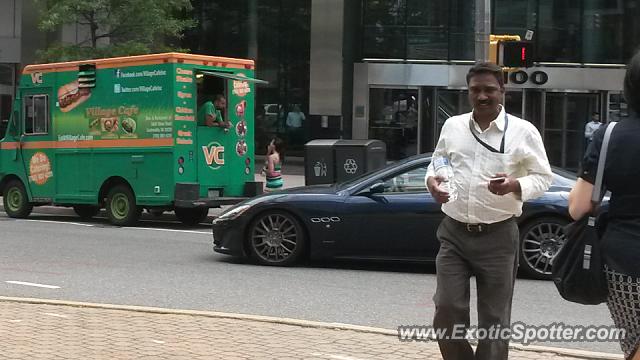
(319, 162)
(356, 157)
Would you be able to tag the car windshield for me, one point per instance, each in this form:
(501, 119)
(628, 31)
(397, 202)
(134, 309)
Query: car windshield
(349, 183)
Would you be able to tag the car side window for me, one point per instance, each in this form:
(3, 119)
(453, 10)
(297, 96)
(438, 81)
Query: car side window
(411, 181)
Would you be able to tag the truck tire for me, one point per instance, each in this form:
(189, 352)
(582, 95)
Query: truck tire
(192, 216)
(15, 200)
(121, 206)
(86, 212)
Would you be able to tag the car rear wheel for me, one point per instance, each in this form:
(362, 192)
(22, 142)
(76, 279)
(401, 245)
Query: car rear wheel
(276, 238)
(86, 211)
(121, 206)
(192, 216)
(540, 241)
(15, 199)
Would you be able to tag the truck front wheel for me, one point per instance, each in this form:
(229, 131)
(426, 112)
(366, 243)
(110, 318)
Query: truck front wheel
(15, 199)
(191, 216)
(121, 206)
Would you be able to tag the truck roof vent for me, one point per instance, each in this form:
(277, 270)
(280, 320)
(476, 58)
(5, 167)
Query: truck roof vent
(87, 76)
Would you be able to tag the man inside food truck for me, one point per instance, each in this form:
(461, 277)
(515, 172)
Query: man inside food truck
(210, 113)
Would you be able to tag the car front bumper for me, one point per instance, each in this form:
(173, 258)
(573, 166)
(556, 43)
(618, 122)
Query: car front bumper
(228, 237)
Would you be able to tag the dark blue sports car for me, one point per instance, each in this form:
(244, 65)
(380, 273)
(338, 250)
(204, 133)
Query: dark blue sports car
(384, 215)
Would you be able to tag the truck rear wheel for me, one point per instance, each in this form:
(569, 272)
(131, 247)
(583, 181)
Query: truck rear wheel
(191, 216)
(15, 199)
(121, 206)
(86, 211)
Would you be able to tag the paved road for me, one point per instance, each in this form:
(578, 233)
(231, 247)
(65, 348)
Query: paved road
(168, 265)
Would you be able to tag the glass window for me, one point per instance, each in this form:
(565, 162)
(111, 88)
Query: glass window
(558, 38)
(393, 118)
(384, 29)
(514, 17)
(427, 32)
(461, 30)
(5, 113)
(36, 114)
(603, 31)
(411, 181)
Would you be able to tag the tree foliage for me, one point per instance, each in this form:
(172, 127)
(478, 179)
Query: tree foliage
(114, 27)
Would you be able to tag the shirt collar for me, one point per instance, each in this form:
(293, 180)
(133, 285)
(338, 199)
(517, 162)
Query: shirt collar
(498, 121)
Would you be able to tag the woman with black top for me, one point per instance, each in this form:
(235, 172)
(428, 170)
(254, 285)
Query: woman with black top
(621, 239)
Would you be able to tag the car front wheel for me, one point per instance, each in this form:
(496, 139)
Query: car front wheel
(276, 238)
(540, 241)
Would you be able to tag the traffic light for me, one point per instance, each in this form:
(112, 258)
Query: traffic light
(515, 54)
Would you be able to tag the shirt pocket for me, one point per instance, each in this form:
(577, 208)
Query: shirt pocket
(500, 163)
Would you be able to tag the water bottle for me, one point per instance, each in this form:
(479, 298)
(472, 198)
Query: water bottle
(442, 167)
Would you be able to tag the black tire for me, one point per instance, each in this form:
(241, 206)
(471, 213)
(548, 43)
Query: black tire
(540, 241)
(276, 238)
(15, 200)
(121, 206)
(86, 212)
(192, 216)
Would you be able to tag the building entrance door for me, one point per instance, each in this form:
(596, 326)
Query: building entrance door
(565, 116)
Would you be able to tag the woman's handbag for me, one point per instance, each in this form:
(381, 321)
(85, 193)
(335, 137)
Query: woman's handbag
(578, 267)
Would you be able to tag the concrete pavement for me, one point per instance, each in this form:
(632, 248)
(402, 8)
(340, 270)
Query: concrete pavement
(50, 329)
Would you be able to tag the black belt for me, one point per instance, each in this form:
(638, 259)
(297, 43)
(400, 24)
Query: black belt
(479, 227)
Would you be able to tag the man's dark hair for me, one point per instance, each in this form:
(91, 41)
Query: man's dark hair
(486, 68)
(632, 83)
(218, 97)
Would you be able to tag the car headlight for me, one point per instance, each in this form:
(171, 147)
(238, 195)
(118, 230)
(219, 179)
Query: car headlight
(234, 212)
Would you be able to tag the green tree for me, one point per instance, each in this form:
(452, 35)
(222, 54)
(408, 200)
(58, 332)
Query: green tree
(114, 27)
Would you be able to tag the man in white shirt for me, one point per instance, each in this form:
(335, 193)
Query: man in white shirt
(590, 128)
(479, 236)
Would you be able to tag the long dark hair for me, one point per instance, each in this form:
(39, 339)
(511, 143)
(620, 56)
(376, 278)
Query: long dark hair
(279, 145)
(632, 83)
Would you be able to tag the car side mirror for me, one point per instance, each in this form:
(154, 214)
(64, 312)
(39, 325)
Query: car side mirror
(377, 188)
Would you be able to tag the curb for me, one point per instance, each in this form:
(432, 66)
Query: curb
(295, 322)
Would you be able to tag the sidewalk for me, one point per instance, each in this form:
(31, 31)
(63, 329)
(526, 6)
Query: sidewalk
(49, 329)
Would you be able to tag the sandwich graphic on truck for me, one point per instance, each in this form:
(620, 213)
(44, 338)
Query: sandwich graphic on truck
(123, 134)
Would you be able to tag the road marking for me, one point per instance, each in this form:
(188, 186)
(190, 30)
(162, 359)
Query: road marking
(57, 222)
(336, 357)
(170, 230)
(157, 341)
(32, 284)
(56, 315)
(15, 321)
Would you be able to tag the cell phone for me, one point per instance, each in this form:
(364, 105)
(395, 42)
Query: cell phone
(497, 179)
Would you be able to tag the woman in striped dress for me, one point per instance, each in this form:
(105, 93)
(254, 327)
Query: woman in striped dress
(273, 166)
(620, 243)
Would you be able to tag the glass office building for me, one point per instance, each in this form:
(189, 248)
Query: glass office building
(395, 69)
(415, 55)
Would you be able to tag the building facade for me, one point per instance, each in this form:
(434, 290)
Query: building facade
(393, 70)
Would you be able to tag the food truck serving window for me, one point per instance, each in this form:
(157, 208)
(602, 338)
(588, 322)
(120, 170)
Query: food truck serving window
(232, 76)
(36, 114)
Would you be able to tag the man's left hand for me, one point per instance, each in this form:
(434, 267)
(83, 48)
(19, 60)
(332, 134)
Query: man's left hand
(508, 185)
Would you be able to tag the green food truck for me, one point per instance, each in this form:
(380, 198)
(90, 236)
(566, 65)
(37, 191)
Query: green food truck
(125, 134)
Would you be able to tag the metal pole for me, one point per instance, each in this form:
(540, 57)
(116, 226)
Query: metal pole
(252, 30)
(483, 29)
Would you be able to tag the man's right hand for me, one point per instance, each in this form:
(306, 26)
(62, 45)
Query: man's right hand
(433, 184)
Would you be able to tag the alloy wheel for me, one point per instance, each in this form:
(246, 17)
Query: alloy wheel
(275, 238)
(541, 244)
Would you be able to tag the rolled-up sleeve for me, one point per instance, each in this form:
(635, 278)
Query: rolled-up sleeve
(539, 175)
(440, 150)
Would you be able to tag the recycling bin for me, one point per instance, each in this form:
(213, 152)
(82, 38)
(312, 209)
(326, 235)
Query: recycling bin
(356, 157)
(319, 162)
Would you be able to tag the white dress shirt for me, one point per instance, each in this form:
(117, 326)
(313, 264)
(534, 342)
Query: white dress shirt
(473, 165)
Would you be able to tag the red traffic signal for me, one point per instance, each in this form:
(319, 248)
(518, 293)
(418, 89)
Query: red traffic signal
(516, 54)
